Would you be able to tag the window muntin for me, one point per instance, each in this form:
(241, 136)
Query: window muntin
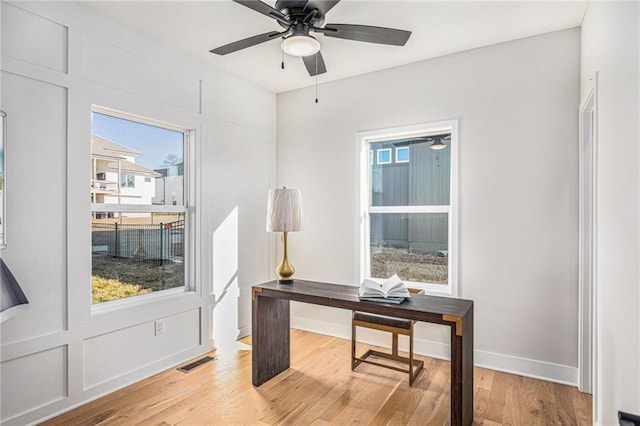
(139, 195)
(409, 209)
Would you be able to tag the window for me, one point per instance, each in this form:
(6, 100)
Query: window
(409, 210)
(127, 180)
(139, 233)
(384, 156)
(402, 154)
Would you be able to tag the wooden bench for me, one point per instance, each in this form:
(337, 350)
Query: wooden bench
(396, 326)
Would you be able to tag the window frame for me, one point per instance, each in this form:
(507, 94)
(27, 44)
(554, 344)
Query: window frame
(378, 151)
(408, 151)
(126, 178)
(363, 141)
(186, 209)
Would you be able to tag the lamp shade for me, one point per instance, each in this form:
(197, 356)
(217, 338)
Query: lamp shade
(12, 298)
(300, 45)
(284, 211)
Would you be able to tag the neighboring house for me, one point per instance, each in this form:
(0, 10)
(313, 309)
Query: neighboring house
(115, 176)
(410, 173)
(170, 185)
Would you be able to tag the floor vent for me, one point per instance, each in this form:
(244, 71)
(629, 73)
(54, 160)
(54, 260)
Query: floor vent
(194, 364)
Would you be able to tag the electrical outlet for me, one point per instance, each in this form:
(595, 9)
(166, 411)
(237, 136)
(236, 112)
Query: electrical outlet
(159, 327)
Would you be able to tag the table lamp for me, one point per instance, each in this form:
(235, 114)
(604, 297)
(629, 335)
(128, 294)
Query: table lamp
(284, 214)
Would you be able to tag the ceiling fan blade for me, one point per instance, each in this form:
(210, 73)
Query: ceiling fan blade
(322, 6)
(380, 35)
(247, 42)
(263, 8)
(314, 67)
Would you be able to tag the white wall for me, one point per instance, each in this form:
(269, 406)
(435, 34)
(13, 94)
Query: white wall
(517, 103)
(57, 60)
(610, 46)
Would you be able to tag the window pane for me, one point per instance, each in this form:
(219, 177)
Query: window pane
(384, 156)
(414, 246)
(148, 159)
(402, 154)
(423, 180)
(136, 253)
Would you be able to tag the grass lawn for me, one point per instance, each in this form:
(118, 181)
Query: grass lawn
(409, 266)
(114, 278)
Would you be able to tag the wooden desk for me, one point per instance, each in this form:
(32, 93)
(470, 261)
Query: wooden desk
(271, 324)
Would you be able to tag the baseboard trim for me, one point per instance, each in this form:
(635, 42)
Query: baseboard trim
(542, 370)
(557, 373)
(56, 408)
(244, 332)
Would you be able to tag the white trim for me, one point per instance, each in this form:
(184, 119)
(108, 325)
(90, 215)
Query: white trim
(595, 370)
(363, 141)
(549, 371)
(362, 219)
(188, 153)
(117, 304)
(409, 209)
(453, 214)
(378, 151)
(587, 290)
(135, 376)
(543, 370)
(585, 305)
(3, 191)
(403, 148)
(137, 208)
(136, 118)
(413, 131)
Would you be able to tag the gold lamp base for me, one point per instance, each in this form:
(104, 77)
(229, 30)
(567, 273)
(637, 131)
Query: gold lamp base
(285, 269)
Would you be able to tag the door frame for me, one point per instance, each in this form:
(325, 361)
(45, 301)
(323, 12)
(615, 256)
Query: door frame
(587, 273)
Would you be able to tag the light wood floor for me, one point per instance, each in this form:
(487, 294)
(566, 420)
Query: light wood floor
(320, 389)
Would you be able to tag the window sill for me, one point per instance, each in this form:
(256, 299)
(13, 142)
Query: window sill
(141, 301)
(429, 289)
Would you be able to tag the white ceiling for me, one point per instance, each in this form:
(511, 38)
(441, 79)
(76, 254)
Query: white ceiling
(438, 28)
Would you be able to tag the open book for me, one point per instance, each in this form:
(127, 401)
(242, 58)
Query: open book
(392, 290)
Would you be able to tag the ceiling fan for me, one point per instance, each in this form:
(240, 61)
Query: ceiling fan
(299, 18)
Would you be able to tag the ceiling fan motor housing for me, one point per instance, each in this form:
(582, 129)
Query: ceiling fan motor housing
(294, 11)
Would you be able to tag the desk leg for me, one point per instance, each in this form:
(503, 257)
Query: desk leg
(462, 371)
(270, 337)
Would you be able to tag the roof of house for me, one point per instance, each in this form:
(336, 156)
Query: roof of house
(104, 148)
(133, 168)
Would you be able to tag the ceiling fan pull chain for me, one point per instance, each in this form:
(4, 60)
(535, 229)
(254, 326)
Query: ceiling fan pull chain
(282, 56)
(316, 78)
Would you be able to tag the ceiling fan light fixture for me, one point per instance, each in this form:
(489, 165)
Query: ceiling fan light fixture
(300, 45)
(437, 144)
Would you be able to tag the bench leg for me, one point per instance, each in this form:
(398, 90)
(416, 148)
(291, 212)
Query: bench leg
(411, 376)
(394, 344)
(354, 363)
